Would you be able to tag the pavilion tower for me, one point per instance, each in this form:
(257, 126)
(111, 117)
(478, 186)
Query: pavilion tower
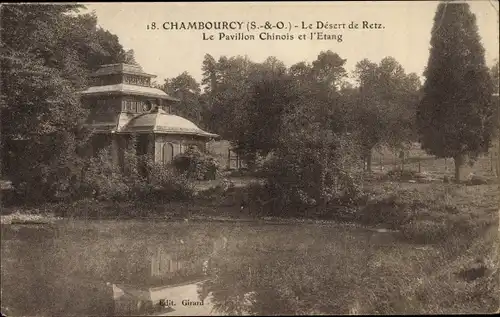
(123, 104)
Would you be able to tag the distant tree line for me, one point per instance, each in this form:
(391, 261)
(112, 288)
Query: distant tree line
(246, 102)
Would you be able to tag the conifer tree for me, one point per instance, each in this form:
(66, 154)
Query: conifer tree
(455, 114)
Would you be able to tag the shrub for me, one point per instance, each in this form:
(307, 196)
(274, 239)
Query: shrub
(398, 174)
(313, 173)
(139, 179)
(197, 165)
(167, 184)
(477, 180)
(103, 180)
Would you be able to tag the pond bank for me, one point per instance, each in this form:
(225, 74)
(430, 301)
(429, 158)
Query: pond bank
(26, 218)
(422, 210)
(19, 218)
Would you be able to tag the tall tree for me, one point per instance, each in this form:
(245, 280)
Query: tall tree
(228, 96)
(188, 90)
(209, 68)
(46, 57)
(207, 99)
(129, 57)
(383, 110)
(455, 115)
(495, 74)
(328, 69)
(270, 91)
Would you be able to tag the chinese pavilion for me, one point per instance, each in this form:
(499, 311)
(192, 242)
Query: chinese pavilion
(122, 103)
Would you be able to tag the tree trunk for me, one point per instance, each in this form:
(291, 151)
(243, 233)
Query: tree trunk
(369, 161)
(458, 165)
(402, 156)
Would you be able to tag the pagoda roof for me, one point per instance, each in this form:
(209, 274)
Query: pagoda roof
(121, 68)
(126, 89)
(163, 123)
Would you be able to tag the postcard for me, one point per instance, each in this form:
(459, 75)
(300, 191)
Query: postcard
(249, 158)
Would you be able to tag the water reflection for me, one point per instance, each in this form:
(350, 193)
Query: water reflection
(173, 283)
(89, 270)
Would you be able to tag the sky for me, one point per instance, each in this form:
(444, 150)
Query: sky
(167, 53)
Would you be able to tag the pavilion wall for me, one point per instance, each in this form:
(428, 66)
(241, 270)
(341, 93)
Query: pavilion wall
(178, 143)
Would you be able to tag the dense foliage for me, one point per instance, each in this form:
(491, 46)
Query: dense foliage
(47, 53)
(103, 180)
(384, 107)
(196, 165)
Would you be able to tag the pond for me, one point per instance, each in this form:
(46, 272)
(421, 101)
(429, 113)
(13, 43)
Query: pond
(167, 268)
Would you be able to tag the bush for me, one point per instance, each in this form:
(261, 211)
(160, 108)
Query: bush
(139, 179)
(313, 174)
(476, 180)
(197, 165)
(166, 184)
(103, 180)
(387, 211)
(403, 175)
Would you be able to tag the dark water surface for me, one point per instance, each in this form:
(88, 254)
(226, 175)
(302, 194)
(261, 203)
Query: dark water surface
(141, 268)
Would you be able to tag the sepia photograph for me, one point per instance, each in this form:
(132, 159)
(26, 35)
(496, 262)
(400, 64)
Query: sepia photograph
(249, 158)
